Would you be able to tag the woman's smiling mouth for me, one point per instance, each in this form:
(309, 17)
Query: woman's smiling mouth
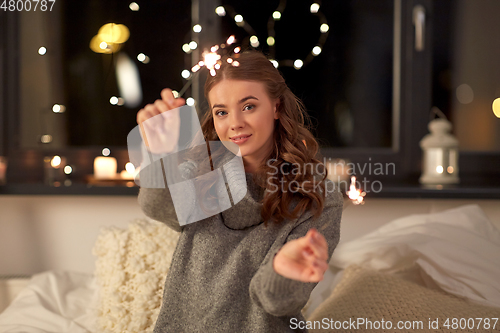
(238, 139)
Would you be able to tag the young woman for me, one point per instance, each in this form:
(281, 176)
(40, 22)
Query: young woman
(252, 267)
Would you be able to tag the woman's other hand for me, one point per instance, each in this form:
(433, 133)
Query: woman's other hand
(303, 259)
(160, 123)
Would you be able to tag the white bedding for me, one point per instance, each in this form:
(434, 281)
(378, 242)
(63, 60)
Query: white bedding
(457, 251)
(53, 302)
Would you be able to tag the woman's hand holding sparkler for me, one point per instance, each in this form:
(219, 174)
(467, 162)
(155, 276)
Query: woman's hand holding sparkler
(160, 123)
(303, 259)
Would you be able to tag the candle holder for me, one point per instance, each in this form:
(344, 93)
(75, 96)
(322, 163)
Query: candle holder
(105, 173)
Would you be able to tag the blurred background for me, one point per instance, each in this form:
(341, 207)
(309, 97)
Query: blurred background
(75, 75)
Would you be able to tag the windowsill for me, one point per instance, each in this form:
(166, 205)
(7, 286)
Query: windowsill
(74, 189)
(469, 188)
(449, 192)
(410, 189)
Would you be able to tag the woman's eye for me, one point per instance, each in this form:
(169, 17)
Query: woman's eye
(248, 107)
(218, 113)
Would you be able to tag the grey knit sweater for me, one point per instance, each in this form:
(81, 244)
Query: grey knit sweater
(221, 278)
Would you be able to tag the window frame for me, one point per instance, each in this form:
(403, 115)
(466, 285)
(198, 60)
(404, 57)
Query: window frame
(412, 84)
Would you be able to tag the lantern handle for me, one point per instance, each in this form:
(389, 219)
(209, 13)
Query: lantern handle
(435, 111)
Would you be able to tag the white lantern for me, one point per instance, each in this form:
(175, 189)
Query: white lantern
(440, 154)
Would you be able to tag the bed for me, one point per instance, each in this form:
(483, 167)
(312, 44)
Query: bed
(438, 270)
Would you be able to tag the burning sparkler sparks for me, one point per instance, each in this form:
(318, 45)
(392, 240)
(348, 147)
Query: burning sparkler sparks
(212, 61)
(356, 195)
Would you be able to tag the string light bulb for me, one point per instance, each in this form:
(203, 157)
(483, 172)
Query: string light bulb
(220, 11)
(58, 108)
(297, 64)
(314, 8)
(254, 41)
(197, 28)
(316, 50)
(133, 6)
(185, 74)
(239, 20)
(186, 48)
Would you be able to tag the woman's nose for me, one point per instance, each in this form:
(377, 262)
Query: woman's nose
(237, 120)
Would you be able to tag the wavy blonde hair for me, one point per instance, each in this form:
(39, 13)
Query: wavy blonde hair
(294, 145)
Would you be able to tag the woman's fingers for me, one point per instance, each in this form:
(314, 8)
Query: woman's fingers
(168, 97)
(161, 106)
(314, 273)
(179, 102)
(316, 243)
(166, 103)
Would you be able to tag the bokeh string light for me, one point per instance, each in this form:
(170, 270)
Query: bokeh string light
(213, 58)
(272, 39)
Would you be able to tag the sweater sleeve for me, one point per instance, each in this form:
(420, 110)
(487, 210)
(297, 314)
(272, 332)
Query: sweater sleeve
(155, 198)
(281, 296)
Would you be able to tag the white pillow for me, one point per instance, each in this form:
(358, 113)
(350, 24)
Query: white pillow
(131, 267)
(457, 250)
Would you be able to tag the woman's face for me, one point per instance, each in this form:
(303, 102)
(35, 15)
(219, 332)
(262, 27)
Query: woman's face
(243, 109)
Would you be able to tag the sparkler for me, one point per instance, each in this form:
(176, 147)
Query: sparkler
(356, 195)
(212, 61)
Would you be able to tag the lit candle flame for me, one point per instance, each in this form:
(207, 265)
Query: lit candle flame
(356, 195)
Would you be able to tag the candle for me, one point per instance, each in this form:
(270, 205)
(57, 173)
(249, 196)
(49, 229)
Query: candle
(105, 167)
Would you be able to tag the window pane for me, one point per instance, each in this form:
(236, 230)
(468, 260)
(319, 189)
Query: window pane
(87, 83)
(347, 88)
(467, 70)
